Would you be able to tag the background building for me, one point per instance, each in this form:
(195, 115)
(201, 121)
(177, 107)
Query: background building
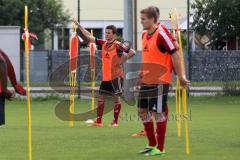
(10, 44)
(97, 15)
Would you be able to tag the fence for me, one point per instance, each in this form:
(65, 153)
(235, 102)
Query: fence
(205, 65)
(215, 66)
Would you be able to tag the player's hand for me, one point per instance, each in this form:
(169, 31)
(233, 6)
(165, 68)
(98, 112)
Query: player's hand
(76, 22)
(176, 45)
(184, 82)
(118, 65)
(10, 95)
(137, 87)
(19, 89)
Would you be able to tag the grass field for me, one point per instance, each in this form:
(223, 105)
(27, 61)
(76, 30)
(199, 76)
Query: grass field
(214, 133)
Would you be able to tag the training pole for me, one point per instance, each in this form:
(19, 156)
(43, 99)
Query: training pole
(183, 90)
(73, 56)
(177, 90)
(28, 84)
(92, 47)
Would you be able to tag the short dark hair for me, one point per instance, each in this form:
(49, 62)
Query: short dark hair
(113, 28)
(151, 12)
(157, 10)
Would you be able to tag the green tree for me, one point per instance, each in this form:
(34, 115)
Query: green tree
(43, 14)
(218, 19)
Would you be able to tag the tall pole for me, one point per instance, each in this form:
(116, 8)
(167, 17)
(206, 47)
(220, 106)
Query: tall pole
(128, 20)
(128, 35)
(28, 84)
(188, 41)
(135, 26)
(79, 69)
(78, 4)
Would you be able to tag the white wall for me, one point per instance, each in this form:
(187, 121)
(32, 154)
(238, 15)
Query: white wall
(95, 9)
(10, 44)
(113, 9)
(104, 11)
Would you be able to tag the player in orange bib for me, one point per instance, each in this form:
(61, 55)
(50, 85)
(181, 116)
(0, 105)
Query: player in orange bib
(164, 28)
(159, 57)
(114, 53)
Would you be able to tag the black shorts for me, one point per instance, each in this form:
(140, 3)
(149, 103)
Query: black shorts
(2, 110)
(153, 97)
(113, 87)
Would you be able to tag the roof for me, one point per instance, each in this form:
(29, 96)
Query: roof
(183, 23)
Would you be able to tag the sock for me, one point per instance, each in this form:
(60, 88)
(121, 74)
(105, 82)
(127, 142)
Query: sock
(100, 110)
(149, 129)
(161, 133)
(117, 109)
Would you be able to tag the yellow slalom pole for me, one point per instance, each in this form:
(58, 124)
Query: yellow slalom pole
(93, 91)
(184, 92)
(72, 103)
(178, 109)
(71, 82)
(71, 107)
(173, 25)
(72, 97)
(73, 76)
(177, 91)
(92, 55)
(28, 84)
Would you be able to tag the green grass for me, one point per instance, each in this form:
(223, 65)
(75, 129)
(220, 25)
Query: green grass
(214, 133)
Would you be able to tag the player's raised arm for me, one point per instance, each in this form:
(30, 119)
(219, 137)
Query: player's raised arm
(85, 32)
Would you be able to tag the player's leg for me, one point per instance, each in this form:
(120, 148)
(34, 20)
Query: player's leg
(103, 91)
(148, 124)
(11, 74)
(162, 117)
(2, 110)
(3, 89)
(145, 116)
(160, 113)
(142, 132)
(161, 122)
(100, 109)
(117, 110)
(116, 91)
(161, 130)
